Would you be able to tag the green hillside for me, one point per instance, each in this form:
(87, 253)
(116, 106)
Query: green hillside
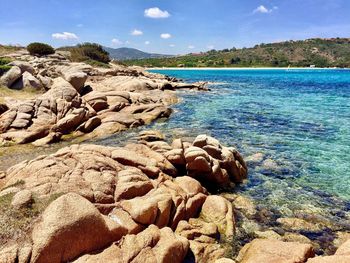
(333, 52)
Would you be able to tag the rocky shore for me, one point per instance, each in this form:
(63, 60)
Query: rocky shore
(156, 200)
(79, 99)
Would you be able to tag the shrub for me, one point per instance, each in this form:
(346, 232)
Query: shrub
(89, 51)
(40, 49)
(3, 65)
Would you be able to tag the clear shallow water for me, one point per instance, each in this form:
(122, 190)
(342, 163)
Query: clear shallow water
(298, 118)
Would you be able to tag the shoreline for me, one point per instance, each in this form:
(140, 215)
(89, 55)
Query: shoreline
(243, 68)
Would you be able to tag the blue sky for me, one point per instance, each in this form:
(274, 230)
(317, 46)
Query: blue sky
(171, 26)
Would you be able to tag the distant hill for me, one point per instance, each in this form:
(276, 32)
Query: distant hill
(334, 52)
(131, 53)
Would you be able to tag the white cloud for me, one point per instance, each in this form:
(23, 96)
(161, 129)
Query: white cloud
(80, 25)
(155, 12)
(263, 10)
(147, 42)
(171, 45)
(165, 35)
(64, 36)
(210, 47)
(191, 47)
(137, 32)
(116, 42)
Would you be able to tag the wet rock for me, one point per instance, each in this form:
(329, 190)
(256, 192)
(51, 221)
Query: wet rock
(242, 203)
(203, 239)
(297, 224)
(254, 159)
(268, 234)
(151, 136)
(218, 210)
(270, 164)
(342, 255)
(294, 237)
(267, 251)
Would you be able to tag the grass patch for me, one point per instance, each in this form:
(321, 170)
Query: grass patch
(17, 223)
(7, 49)
(3, 65)
(95, 63)
(18, 94)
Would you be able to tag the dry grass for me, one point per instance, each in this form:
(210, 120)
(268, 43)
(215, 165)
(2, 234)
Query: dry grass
(18, 94)
(4, 50)
(16, 224)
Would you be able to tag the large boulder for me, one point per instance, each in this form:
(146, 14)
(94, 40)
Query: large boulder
(203, 239)
(208, 161)
(11, 76)
(342, 255)
(71, 226)
(274, 251)
(24, 66)
(218, 210)
(167, 204)
(29, 81)
(76, 79)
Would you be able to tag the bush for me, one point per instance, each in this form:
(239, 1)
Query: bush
(3, 65)
(40, 49)
(89, 51)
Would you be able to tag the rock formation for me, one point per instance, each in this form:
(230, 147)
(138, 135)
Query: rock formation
(131, 195)
(80, 99)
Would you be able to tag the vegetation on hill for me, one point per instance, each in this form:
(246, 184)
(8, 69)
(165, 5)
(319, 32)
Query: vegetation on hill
(40, 49)
(90, 53)
(125, 53)
(333, 52)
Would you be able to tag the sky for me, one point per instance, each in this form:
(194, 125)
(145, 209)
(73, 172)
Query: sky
(171, 26)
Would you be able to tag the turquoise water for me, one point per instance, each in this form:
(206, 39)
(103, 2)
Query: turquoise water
(300, 119)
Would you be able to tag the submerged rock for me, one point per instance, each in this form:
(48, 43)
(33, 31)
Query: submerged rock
(268, 251)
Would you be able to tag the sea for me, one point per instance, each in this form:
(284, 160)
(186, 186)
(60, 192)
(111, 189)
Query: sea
(292, 125)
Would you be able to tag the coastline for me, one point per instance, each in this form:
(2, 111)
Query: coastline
(263, 222)
(243, 68)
